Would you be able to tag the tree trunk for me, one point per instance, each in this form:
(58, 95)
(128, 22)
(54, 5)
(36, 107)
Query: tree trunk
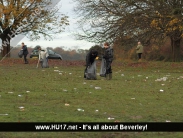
(6, 47)
(176, 55)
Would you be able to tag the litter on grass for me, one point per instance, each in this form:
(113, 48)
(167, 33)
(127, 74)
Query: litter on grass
(97, 88)
(64, 90)
(3, 114)
(27, 91)
(10, 92)
(66, 104)
(79, 109)
(161, 90)
(109, 118)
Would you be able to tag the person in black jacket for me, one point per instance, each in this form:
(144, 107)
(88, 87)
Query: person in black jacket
(108, 56)
(90, 58)
(25, 53)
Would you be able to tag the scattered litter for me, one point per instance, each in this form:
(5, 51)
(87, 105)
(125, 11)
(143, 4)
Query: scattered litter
(168, 121)
(162, 79)
(163, 84)
(122, 75)
(19, 95)
(70, 73)
(133, 98)
(147, 77)
(109, 118)
(3, 114)
(56, 70)
(27, 91)
(97, 88)
(60, 73)
(64, 90)
(67, 104)
(21, 107)
(84, 82)
(98, 74)
(90, 92)
(80, 109)
(139, 75)
(161, 90)
(96, 110)
(75, 88)
(10, 92)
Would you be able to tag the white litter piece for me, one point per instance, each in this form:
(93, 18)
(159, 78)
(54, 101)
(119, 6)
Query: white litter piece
(90, 92)
(98, 88)
(4, 114)
(10, 92)
(168, 121)
(133, 98)
(56, 70)
(84, 82)
(19, 95)
(161, 90)
(109, 118)
(98, 74)
(64, 90)
(96, 110)
(147, 77)
(75, 88)
(27, 91)
(80, 110)
(66, 104)
(163, 84)
(70, 73)
(122, 75)
(139, 75)
(21, 107)
(60, 73)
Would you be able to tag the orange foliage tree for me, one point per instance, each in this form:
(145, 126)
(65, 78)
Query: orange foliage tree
(29, 16)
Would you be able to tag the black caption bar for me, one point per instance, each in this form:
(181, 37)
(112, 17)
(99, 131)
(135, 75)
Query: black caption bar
(63, 126)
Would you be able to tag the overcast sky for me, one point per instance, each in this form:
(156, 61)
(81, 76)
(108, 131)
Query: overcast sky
(66, 38)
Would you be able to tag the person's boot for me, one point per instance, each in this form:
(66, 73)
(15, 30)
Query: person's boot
(107, 76)
(110, 76)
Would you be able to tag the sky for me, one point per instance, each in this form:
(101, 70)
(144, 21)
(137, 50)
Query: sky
(65, 39)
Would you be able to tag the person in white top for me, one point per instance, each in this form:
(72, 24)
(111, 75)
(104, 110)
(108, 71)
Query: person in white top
(42, 59)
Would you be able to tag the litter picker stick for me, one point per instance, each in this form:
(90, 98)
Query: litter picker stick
(37, 63)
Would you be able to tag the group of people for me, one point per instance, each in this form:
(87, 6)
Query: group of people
(42, 59)
(107, 58)
(90, 70)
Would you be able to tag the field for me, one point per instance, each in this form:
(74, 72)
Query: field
(138, 92)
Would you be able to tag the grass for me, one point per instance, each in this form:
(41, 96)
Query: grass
(133, 95)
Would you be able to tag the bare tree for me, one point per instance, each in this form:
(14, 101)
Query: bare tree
(129, 21)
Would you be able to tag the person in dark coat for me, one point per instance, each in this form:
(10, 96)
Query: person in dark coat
(90, 58)
(25, 53)
(108, 56)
